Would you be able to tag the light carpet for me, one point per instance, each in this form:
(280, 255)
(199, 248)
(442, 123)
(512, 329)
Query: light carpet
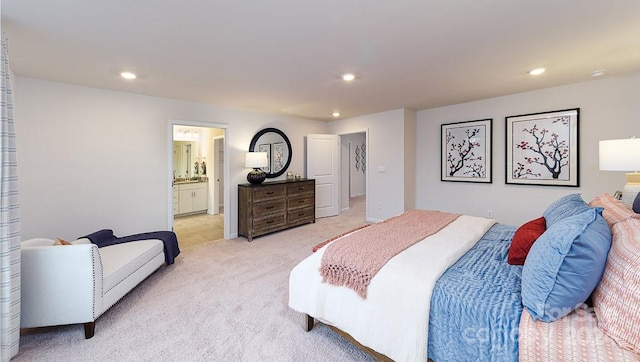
(226, 300)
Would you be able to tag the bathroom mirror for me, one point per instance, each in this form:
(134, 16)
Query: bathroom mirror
(185, 153)
(278, 148)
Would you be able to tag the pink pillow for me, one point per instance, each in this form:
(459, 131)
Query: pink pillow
(617, 297)
(615, 210)
(523, 240)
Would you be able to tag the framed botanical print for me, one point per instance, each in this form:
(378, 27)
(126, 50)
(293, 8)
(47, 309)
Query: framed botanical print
(542, 148)
(266, 147)
(278, 157)
(466, 151)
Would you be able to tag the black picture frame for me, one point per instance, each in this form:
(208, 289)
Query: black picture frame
(266, 148)
(466, 151)
(272, 136)
(543, 148)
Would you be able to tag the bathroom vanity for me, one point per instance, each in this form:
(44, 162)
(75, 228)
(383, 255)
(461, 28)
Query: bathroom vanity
(190, 197)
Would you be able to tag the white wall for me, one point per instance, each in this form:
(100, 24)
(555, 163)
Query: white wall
(91, 158)
(410, 153)
(609, 109)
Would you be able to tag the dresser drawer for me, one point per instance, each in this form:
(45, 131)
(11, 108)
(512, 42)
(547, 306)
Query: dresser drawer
(277, 206)
(301, 201)
(274, 206)
(270, 192)
(300, 188)
(301, 216)
(269, 223)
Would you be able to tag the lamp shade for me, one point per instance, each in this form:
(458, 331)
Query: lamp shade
(620, 155)
(623, 155)
(256, 160)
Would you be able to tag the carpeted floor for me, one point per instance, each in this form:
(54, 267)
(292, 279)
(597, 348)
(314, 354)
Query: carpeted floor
(222, 301)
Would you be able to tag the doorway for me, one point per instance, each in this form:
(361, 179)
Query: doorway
(197, 165)
(354, 163)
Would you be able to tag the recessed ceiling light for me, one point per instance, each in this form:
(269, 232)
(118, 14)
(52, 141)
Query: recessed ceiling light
(537, 71)
(336, 114)
(348, 77)
(597, 73)
(128, 75)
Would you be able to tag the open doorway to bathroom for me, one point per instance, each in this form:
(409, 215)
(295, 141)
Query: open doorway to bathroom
(354, 170)
(198, 184)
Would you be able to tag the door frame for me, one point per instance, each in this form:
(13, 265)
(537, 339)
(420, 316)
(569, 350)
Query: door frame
(169, 177)
(216, 173)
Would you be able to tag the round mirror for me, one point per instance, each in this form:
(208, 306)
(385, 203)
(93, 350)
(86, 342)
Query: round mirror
(278, 148)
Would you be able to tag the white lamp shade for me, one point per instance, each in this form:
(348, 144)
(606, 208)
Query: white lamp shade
(256, 160)
(620, 155)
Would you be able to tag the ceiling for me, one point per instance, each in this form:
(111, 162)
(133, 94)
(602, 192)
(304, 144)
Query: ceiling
(287, 56)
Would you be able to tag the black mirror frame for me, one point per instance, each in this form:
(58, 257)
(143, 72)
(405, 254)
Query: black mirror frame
(257, 136)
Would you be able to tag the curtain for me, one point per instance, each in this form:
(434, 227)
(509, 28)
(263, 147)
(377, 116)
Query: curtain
(9, 218)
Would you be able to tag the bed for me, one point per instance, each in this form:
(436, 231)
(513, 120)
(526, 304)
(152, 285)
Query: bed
(453, 295)
(478, 319)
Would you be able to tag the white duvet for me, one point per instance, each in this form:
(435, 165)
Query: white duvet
(394, 318)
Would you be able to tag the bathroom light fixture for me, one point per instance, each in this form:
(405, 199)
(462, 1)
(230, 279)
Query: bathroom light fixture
(623, 155)
(256, 160)
(128, 75)
(537, 71)
(336, 114)
(348, 77)
(597, 73)
(186, 135)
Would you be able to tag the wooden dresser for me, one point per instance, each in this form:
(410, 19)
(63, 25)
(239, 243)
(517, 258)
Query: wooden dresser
(274, 206)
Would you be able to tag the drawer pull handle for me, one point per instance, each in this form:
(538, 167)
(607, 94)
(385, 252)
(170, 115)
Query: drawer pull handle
(269, 193)
(270, 222)
(269, 207)
(301, 202)
(300, 188)
(302, 214)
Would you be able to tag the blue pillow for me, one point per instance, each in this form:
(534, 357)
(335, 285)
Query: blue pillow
(564, 207)
(565, 265)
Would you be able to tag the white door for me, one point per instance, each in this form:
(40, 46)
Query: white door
(323, 165)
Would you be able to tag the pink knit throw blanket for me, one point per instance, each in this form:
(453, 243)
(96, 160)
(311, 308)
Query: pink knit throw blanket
(355, 259)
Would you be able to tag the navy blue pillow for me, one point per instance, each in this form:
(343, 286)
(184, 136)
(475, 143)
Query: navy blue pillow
(636, 204)
(565, 265)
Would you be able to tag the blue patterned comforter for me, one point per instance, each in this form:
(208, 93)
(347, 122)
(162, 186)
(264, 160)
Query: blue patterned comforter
(476, 304)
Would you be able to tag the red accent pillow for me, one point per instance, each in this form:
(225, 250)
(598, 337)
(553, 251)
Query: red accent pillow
(524, 238)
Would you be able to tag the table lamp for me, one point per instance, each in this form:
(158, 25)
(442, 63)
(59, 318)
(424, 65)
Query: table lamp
(623, 155)
(256, 160)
